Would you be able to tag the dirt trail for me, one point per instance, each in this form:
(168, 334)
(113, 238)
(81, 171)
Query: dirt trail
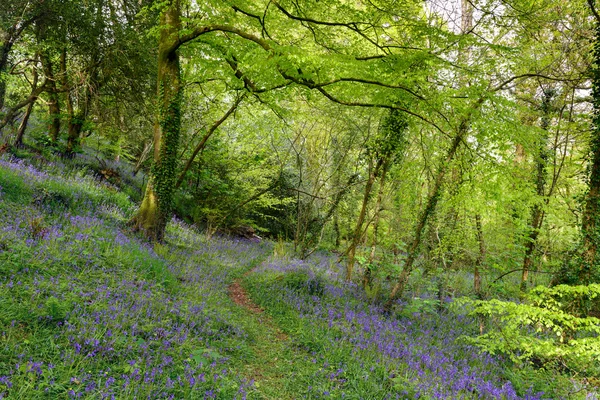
(279, 369)
(274, 357)
(240, 296)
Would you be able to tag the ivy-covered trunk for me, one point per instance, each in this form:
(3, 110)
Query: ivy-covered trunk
(367, 275)
(432, 201)
(52, 89)
(77, 119)
(53, 104)
(74, 131)
(4, 49)
(358, 230)
(537, 212)
(589, 269)
(53, 115)
(155, 210)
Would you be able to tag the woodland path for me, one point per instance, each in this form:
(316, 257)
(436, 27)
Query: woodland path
(240, 296)
(273, 360)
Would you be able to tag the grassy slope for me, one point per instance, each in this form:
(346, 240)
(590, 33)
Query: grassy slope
(89, 311)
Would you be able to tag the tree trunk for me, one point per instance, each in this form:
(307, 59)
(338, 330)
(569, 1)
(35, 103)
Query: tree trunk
(12, 113)
(64, 80)
(142, 158)
(74, 131)
(77, 119)
(23, 126)
(53, 115)
(480, 257)
(432, 201)
(53, 105)
(155, 210)
(367, 277)
(336, 229)
(373, 170)
(588, 270)
(10, 37)
(25, 120)
(4, 50)
(537, 213)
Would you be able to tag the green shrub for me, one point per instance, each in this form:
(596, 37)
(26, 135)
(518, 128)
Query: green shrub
(302, 282)
(548, 328)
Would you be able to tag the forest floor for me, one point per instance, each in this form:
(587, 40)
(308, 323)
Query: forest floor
(89, 310)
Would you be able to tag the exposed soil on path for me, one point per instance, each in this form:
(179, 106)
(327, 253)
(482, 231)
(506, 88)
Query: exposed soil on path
(240, 296)
(273, 356)
(279, 368)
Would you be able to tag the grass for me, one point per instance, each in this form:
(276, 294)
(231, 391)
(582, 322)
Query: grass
(88, 310)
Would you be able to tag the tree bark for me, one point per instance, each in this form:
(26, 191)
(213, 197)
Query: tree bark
(78, 118)
(75, 125)
(480, 257)
(373, 172)
(430, 207)
(25, 120)
(53, 104)
(588, 270)
(8, 41)
(537, 213)
(11, 113)
(367, 276)
(155, 210)
(4, 51)
(432, 201)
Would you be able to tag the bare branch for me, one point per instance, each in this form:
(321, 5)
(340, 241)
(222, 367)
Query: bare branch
(207, 136)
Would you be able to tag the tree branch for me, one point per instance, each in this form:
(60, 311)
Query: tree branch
(207, 136)
(13, 111)
(375, 105)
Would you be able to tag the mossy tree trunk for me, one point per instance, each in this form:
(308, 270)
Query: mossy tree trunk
(537, 212)
(584, 267)
(358, 229)
(430, 207)
(25, 120)
(588, 270)
(49, 68)
(155, 210)
(384, 150)
(53, 104)
(4, 50)
(432, 201)
(78, 116)
(367, 275)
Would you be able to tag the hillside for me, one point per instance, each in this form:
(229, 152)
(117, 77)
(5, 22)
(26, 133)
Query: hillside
(89, 310)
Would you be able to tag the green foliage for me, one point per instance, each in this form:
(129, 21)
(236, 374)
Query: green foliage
(280, 249)
(549, 327)
(391, 142)
(302, 282)
(419, 305)
(56, 309)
